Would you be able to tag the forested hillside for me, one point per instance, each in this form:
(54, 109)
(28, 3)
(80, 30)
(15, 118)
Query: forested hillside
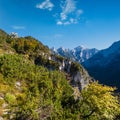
(37, 85)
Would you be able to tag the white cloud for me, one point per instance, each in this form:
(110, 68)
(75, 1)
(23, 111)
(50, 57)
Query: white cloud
(79, 12)
(69, 11)
(68, 22)
(63, 16)
(18, 27)
(70, 14)
(68, 7)
(59, 23)
(47, 4)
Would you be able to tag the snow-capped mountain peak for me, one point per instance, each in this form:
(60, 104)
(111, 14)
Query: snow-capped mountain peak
(81, 47)
(79, 53)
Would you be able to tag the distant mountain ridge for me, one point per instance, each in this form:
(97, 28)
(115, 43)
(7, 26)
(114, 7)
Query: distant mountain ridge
(102, 65)
(79, 54)
(105, 65)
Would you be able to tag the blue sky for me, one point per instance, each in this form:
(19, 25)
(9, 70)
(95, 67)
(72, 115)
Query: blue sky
(67, 23)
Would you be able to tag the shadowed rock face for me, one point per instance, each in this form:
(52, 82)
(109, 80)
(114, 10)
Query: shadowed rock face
(75, 73)
(78, 75)
(79, 80)
(105, 65)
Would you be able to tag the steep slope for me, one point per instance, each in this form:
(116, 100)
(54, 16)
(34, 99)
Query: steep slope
(28, 70)
(79, 54)
(4, 46)
(30, 92)
(105, 65)
(34, 81)
(38, 85)
(39, 54)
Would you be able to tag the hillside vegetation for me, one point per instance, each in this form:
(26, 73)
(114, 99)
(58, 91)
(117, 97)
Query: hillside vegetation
(32, 87)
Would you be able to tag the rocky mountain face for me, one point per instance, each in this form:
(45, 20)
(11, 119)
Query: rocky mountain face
(105, 65)
(79, 54)
(41, 55)
(29, 67)
(74, 72)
